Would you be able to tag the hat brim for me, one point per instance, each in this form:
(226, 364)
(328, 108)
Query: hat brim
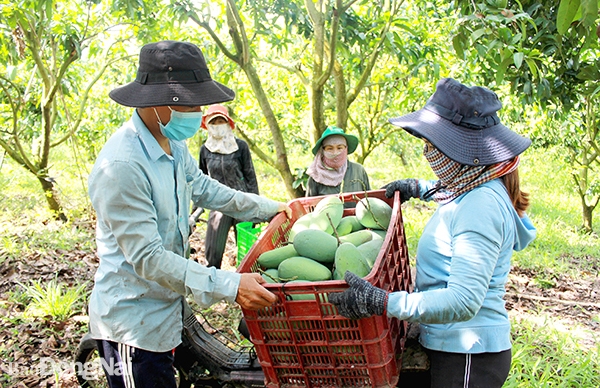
(137, 95)
(473, 147)
(206, 119)
(351, 140)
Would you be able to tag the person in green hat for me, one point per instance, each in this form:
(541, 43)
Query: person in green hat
(331, 172)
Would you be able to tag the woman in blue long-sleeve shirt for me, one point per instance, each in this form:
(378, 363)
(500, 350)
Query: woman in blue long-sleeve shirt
(463, 255)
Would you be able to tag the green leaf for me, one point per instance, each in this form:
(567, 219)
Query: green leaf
(527, 88)
(533, 68)
(518, 58)
(566, 13)
(595, 92)
(11, 72)
(589, 9)
(505, 34)
(588, 73)
(506, 53)
(502, 70)
(477, 34)
(457, 43)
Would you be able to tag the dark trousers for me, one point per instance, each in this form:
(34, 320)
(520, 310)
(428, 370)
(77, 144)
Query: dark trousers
(217, 231)
(457, 370)
(128, 367)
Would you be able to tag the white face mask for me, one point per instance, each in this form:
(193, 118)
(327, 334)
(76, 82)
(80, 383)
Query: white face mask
(218, 131)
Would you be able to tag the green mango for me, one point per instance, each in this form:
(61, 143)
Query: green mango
(374, 213)
(349, 258)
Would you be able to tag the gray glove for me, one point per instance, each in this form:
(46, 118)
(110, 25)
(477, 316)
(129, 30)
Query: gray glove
(361, 300)
(408, 188)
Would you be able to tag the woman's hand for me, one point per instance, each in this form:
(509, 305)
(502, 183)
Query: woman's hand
(408, 188)
(361, 300)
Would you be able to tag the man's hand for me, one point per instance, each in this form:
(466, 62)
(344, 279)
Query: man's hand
(283, 207)
(251, 295)
(408, 188)
(361, 300)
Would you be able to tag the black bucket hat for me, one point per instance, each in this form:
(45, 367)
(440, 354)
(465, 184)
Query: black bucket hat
(171, 73)
(462, 123)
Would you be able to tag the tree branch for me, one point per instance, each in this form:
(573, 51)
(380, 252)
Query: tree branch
(214, 37)
(294, 70)
(32, 40)
(243, 44)
(256, 149)
(335, 21)
(17, 152)
(84, 98)
(319, 35)
(375, 53)
(344, 7)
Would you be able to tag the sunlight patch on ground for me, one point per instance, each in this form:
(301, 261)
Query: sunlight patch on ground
(585, 337)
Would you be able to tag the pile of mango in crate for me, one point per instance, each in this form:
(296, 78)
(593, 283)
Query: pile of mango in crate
(323, 244)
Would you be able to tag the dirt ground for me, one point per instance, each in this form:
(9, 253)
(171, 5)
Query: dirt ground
(567, 304)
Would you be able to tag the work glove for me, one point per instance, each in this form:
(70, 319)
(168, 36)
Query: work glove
(408, 188)
(361, 300)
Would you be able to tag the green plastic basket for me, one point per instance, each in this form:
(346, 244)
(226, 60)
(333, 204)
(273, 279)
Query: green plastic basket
(246, 237)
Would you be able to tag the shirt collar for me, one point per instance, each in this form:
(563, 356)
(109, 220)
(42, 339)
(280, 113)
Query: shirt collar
(152, 147)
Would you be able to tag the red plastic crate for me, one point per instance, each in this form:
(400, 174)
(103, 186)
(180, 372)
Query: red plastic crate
(306, 343)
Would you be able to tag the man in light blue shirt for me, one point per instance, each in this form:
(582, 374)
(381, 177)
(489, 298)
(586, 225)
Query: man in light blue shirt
(142, 187)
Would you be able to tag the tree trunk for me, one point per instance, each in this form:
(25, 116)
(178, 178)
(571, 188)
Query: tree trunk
(341, 107)
(587, 216)
(51, 198)
(281, 164)
(318, 115)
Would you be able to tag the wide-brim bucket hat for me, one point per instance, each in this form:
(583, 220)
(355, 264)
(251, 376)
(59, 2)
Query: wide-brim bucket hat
(171, 73)
(462, 123)
(351, 140)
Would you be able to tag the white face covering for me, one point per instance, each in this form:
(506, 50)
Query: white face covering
(220, 139)
(218, 131)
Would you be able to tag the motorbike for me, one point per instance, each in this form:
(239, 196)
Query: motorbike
(201, 360)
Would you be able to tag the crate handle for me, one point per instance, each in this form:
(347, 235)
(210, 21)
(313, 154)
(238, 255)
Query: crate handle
(287, 296)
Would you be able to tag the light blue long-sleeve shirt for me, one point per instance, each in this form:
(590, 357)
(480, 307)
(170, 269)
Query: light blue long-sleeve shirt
(142, 197)
(463, 260)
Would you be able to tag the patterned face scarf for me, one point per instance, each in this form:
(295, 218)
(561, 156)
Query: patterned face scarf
(456, 179)
(335, 151)
(329, 167)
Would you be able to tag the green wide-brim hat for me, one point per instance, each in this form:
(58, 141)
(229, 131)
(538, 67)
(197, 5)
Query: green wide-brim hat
(333, 130)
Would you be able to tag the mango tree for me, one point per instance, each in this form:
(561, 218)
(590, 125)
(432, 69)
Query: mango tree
(44, 92)
(329, 49)
(548, 53)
